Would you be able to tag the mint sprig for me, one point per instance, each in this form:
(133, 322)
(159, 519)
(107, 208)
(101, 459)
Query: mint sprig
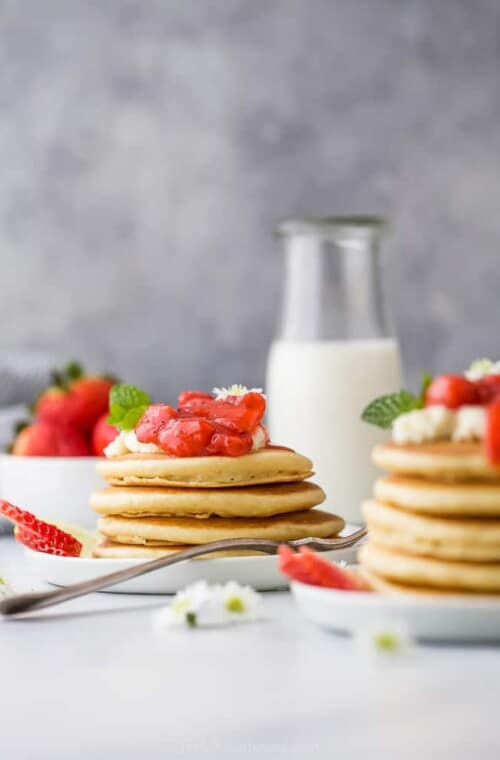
(127, 404)
(424, 384)
(384, 410)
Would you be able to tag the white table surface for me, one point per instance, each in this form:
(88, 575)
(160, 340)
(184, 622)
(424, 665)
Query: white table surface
(91, 679)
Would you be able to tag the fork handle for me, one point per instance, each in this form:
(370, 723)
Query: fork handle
(38, 600)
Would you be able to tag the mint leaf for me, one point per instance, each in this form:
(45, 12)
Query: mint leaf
(127, 404)
(424, 384)
(383, 411)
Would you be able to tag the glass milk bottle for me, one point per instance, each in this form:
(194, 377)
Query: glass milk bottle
(334, 353)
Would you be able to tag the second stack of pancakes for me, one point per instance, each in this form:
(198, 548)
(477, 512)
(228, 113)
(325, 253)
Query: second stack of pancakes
(156, 504)
(434, 521)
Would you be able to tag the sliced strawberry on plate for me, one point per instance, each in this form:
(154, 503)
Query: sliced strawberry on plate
(307, 566)
(492, 434)
(39, 535)
(62, 548)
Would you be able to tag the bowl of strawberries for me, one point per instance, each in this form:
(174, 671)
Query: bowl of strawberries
(50, 467)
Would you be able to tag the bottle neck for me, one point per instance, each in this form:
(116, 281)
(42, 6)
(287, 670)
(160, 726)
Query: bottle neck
(332, 289)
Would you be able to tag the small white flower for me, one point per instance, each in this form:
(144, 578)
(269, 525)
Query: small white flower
(234, 390)
(202, 605)
(241, 602)
(480, 368)
(384, 638)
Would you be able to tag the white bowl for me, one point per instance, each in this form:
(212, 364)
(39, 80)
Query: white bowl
(461, 617)
(53, 488)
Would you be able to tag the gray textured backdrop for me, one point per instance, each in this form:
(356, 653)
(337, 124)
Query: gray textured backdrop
(148, 148)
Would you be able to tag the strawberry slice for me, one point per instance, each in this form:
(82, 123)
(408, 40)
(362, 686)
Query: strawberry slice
(152, 422)
(39, 535)
(488, 388)
(307, 566)
(451, 391)
(492, 435)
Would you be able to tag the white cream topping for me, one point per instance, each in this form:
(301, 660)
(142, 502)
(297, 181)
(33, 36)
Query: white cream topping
(421, 425)
(259, 438)
(470, 423)
(437, 422)
(117, 447)
(126, 443)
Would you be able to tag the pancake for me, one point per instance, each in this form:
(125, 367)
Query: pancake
(447, 460)
(189, 530)
(477, 577)
(384, 586)
(107, 549)
(247, 501)
(466, 539)
(268, 465)
(473, 498)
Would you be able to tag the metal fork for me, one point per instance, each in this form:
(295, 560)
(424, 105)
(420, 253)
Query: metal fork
(38, 600)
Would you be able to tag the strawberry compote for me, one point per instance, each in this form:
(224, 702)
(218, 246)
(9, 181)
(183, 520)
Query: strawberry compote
(203, 425)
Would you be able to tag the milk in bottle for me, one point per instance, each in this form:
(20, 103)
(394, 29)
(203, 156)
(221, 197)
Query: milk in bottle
(333, 355)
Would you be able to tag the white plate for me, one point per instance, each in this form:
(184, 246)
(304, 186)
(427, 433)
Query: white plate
(445, 619)
(261, 572)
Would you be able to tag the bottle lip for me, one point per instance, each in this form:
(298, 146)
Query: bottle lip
(362, 228)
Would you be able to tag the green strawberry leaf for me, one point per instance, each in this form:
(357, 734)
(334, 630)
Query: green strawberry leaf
(127, 404)
(74, 371)
(384, 410)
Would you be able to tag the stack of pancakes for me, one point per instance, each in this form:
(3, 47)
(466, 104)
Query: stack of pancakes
(434, 522)
(156, 504)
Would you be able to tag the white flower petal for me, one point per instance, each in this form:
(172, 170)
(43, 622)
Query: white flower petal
(234, 390)
(210, 606)
(479, 368)
(383, 638)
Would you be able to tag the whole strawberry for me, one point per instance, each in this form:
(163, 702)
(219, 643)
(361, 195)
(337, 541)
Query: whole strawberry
(102, 435)
(75, 398)
(48, 439)
(58, 406)
(92, 399)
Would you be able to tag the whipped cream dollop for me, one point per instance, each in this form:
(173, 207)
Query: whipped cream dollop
(126, 442)
(435, 423)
